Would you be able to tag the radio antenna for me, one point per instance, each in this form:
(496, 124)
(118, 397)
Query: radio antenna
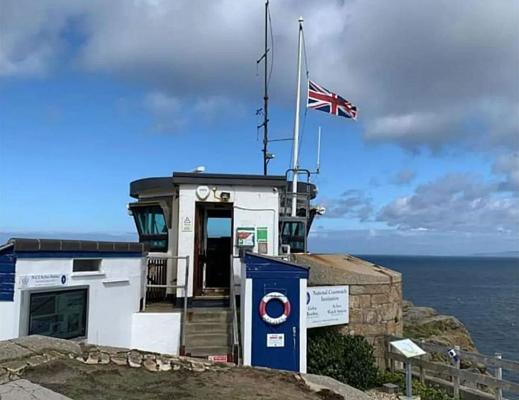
(266, 155)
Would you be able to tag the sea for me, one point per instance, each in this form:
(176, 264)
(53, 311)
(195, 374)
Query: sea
(482, 292)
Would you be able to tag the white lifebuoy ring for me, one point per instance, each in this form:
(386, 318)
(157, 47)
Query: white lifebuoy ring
(263, 308)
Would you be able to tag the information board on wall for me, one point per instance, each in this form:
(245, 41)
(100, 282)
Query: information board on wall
(42, 280)
(327, 305)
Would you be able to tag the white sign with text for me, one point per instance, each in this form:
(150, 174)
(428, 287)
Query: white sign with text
(42, 280)
(327, 305)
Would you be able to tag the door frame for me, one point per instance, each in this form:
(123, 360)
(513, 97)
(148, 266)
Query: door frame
(200, 244)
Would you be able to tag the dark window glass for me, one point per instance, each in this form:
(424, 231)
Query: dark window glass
(152, 227)
(58, 314)
(86, 265)
(293, 233)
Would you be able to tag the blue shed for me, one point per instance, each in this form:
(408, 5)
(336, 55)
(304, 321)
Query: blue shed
(274, 313)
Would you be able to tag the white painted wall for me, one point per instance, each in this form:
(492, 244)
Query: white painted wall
(113, 296)
(253, 207)
(156, 332)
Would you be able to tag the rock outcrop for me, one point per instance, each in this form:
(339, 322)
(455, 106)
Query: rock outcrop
(426, 323)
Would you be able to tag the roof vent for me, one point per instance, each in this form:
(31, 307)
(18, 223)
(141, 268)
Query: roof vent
(198, 170)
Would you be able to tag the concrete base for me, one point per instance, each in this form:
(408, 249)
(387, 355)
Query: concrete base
(404, 397)
(24, 390)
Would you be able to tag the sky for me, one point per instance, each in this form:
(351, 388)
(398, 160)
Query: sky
(95, 94)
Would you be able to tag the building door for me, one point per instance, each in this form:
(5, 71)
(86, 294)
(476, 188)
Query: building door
(213, 248)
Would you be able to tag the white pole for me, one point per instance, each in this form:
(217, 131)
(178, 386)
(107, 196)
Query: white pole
(318, 150)
(295, 155)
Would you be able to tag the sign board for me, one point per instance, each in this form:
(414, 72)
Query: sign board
(42, 280)
(218, 358)
(262, 234)
(187, 225)
(408, 348)
(245, 236)
(327, 305)
(275, 340)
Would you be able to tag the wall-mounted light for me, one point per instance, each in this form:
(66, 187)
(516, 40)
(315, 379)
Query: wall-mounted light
(225, 196)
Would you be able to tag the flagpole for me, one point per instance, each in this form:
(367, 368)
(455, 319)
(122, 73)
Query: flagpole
(295, 154)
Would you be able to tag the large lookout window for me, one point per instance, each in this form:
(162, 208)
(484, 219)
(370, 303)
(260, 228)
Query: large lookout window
(152, 227)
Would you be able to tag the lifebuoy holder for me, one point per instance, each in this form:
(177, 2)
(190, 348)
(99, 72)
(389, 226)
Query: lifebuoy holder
(263, 308)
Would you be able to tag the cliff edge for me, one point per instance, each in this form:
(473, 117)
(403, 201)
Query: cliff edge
(427, 323)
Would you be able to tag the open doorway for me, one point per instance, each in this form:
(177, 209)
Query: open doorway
(213, 248)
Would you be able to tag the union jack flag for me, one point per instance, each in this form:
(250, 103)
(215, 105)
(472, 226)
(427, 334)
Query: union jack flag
(322, 99)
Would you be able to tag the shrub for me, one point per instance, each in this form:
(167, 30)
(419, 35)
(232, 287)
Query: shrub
(425, 392)
(348, 359)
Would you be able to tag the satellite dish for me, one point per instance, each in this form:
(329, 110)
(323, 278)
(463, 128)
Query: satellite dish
(199, 169)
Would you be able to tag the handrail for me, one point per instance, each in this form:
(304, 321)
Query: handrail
(234, 313)
(496, 382)
(184, 288)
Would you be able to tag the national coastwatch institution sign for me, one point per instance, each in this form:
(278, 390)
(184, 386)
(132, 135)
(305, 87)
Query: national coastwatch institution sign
(327, 305)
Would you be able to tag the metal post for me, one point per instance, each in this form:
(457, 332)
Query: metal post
(408, 380)
(456, 379)
(499, 375)
(184, 317)
(318, 151)
(295, 153)
(265, 99)
(422, 370)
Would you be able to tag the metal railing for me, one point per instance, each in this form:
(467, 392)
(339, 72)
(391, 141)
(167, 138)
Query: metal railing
(152, 260)
(234, 314)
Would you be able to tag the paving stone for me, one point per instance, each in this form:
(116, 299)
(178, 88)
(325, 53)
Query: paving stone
(36, 360)
(150, 364)
(93, 358)
(4, 376)
(24, 390)
(41, 344)
(119, 359)
(15, 366)
(134, 359)
(11, 351)
(104, 358)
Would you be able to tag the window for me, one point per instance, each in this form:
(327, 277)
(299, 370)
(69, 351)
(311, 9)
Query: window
(293, 233)
(152, 226)
(59, 314)
(86, 265)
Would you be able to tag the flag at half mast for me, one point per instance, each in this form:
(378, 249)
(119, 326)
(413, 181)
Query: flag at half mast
(322, 99)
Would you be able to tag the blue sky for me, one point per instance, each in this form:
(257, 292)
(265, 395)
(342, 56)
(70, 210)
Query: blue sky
(93, 96)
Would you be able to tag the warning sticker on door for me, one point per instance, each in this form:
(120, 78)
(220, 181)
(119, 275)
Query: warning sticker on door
(275, 340)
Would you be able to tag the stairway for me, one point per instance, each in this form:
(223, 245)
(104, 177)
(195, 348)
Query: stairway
(208, 332)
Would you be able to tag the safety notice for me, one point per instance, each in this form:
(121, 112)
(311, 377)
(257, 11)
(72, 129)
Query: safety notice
(275, 340)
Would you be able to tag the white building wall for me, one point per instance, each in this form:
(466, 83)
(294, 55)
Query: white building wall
(114, 294)
(156, 332)
(253, 207)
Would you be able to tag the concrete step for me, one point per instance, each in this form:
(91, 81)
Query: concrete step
(205, 351)
(207, 339)
(208, 327)
(209, 315)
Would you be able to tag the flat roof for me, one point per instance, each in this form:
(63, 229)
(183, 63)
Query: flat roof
(59, 245)
(141, 186)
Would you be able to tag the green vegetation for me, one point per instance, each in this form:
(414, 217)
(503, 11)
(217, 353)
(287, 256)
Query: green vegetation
(348, 359)
(425, 392)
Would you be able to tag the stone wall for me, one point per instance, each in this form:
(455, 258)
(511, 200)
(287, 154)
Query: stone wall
(375, 295)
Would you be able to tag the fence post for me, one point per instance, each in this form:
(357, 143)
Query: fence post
(391, 360)
(422, 370)
(499, 375)
(456, 379)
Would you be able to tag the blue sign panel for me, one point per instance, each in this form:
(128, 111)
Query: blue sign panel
(7, 277)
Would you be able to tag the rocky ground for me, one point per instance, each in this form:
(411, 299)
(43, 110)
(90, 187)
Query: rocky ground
(426, 323)
(89, 372)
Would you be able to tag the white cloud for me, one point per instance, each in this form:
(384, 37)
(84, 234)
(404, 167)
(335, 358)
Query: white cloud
(454, 203)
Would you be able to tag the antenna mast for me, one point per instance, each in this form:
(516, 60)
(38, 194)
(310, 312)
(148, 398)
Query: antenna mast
(266, 155)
